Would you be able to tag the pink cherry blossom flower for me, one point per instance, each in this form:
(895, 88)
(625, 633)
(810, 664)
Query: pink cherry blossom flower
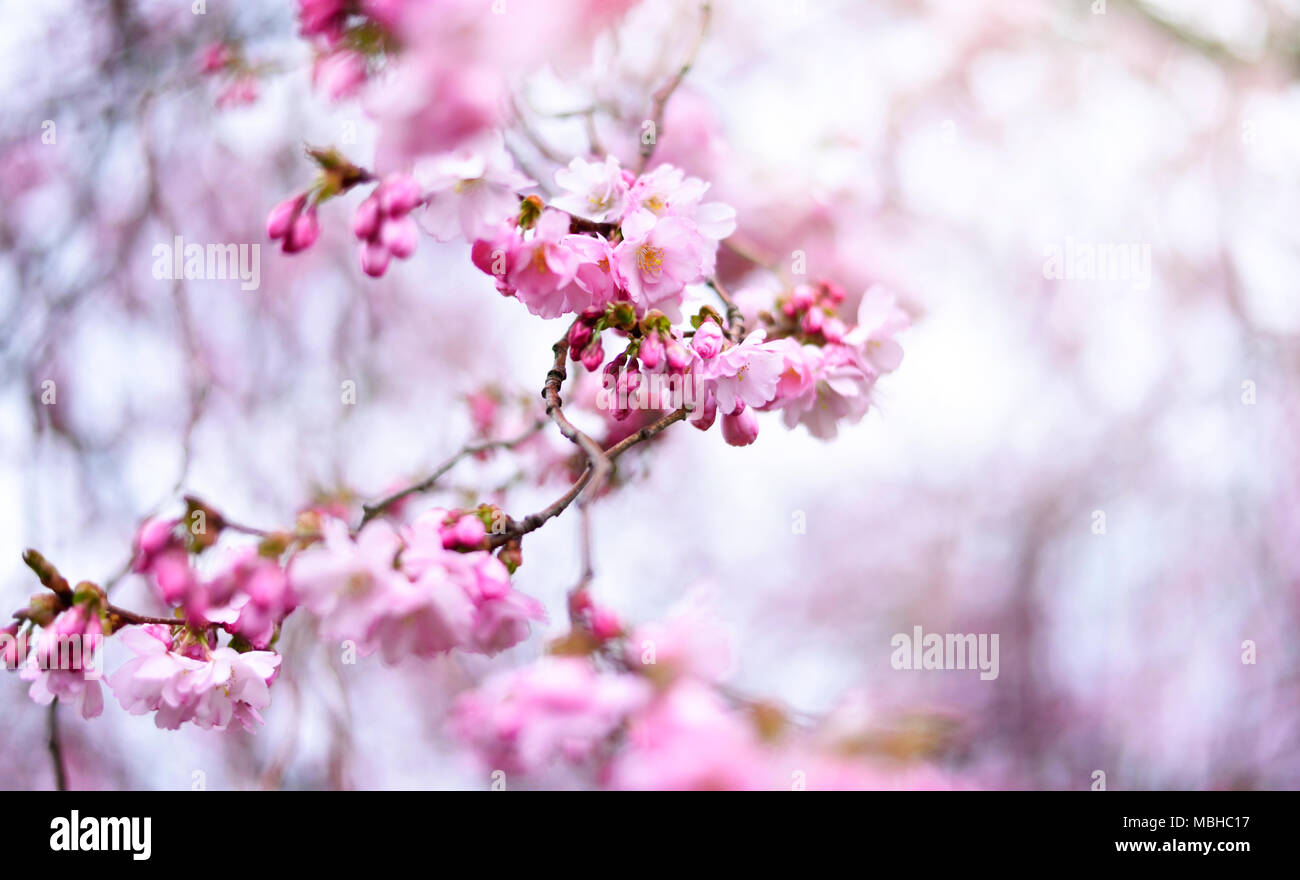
(350, 585)
(594, 277)
(210, 690)
(471, 190)
(253, 596)
(687, 739)
(657, 258)
(544, 266)
(495, 252)
(65, 660)
(667, 191)
(879, 320)
(838, 393)
(558, 708)
(594, 190)
(747, 373)
(501, 616)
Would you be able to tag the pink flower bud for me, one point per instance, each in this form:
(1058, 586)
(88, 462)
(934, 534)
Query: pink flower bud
(802, 297)
(398, 195)
(152, 538)
(812, 320)
(705, 413)
(365, 223)
(740, 428)
(604, 623)
(469, 531)
(399, 236)
(708, 340)
(833, 329)
(677, 355)
(282, 216)
(303, 233)
(593, 354)
(374, 258)
(579, 336)
(652, 351)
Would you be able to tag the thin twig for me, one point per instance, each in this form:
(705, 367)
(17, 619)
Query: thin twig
(534, 521)
(56, 748)
(735, 321)
(372, 510)
(661, 96)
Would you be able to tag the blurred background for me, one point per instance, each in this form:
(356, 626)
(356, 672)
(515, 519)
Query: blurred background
(1102, 470)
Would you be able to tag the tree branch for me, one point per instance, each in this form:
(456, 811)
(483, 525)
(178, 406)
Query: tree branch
(374, 509)
(661, 96)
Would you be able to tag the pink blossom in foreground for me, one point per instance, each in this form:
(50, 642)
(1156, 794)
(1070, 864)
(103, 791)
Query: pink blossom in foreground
(256, 596)
(64, 662)
(838, 393)
(879, 321)
(558, 708)
(597, 191)
(689, 739)
(657, 258)
(543, 266)
(208, 691)
(594, 277)
(349, 584)
(747, 373)
(496, 617)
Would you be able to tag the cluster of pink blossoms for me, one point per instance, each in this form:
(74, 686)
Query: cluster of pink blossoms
(422, 591)
(612, 236)
(187, 678)
(249, 597)
(383, 224)
(62, 661)
(644, 710)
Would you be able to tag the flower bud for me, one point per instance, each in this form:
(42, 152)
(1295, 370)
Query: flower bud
(593, 354)
(282, 216)
(740, 428)
(579, 336)
(652, 350)
(705, 414)
(365, 222)
(303, 232)
(398, 195)
(374, 258)
(708, 340)
(677, 355)
(399, 236)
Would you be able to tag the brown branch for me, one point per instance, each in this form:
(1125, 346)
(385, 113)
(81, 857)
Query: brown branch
(130, 617)
(370, 511)
(55, 743)
(534, 521)
(661, 96)
(735, 321)
(597, 460)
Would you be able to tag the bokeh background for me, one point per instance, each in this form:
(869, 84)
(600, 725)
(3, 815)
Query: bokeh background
(941, 147)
